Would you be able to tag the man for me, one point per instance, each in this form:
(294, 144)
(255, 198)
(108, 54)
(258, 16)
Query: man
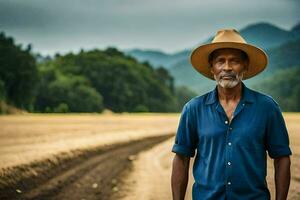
(231, 127)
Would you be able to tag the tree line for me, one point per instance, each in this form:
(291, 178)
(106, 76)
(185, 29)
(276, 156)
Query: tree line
(88, 81)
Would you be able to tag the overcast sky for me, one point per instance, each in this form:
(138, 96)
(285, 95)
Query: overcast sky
(169, 25)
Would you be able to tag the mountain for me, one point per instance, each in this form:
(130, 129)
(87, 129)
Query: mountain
(285, 55)
(296, 30)
(185, 74)
(266, 35)
(157, 58)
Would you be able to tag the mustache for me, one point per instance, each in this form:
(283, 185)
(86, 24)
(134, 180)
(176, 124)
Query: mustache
(228, 74)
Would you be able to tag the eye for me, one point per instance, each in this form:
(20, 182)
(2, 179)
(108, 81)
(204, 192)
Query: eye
(235, 61)
(219, 61)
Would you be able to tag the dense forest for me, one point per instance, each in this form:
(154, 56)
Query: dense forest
(88, 81)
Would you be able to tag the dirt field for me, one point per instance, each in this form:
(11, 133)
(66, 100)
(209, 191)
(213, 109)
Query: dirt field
(27, 138)
(100, 156)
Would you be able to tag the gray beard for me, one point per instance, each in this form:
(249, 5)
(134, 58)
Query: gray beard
(229, 83)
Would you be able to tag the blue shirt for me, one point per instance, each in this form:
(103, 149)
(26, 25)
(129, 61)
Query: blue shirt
(231, 157)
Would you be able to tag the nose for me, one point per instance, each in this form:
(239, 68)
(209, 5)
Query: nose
(227, 66)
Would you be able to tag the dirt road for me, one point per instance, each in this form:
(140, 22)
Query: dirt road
(151, 175)
(92, 175)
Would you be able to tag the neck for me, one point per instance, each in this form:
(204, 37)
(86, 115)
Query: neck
(230, 94)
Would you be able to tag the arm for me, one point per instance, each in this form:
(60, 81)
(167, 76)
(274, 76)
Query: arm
(180, 176)
(282, 177)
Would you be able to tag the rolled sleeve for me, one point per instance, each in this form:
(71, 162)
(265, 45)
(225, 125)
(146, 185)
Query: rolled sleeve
(277, 135)
(183, 150)
(186, 137)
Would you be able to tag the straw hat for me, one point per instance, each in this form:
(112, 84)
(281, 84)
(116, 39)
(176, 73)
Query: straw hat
(229, 38)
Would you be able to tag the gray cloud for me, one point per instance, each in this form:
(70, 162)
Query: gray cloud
(169, 25)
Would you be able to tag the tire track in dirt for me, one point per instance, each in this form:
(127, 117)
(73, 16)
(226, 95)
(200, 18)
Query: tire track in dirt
(150, 178)
(95, 177)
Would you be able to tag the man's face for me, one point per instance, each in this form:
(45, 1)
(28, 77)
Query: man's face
(228, 67)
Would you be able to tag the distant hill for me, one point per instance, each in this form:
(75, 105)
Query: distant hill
(284, 56)
(296, 30)
(264, 35)
(185, 74)
(157, 58)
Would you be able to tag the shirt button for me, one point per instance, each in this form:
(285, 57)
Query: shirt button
(243, 104)
(229, 163)
(229, 143)
(230, 128)
(229, 183)
(226, 122)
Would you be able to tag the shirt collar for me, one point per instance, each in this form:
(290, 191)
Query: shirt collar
(247, 95)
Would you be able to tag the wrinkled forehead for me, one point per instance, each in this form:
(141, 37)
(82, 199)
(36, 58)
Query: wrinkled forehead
(228, 52)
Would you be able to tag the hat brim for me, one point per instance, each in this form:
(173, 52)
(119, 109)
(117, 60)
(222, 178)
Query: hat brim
(258, 59)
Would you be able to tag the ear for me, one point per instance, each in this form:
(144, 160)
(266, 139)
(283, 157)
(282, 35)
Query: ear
(246, 65)
(211, 71)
